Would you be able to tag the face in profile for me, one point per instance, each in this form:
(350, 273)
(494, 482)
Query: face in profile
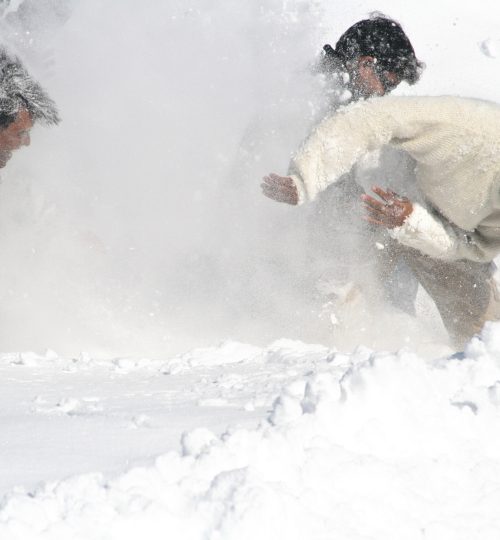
(367, 79)
(15, 135)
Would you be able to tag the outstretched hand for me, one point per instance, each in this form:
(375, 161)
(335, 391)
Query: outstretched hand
(391, 212)
(280, 188)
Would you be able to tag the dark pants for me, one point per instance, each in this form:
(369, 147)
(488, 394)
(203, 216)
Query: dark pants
(464, 292)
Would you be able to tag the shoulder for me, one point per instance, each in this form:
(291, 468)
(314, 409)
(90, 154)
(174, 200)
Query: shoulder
(438, 105)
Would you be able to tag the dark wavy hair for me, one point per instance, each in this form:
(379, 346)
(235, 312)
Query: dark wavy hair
(19, 90)
(380, 37)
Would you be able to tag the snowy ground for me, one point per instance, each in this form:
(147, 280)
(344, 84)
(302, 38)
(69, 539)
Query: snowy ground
(317, 444)
(107, 245)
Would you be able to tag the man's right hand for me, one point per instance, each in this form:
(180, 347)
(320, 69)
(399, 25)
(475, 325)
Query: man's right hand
(391, 213)
(280, 188)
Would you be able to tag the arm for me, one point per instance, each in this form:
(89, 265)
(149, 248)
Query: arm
(431, 234)
(448, 137)
(419, 228)
(339, 141)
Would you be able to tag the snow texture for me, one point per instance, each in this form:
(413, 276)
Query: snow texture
(368, 444)
(134, 237)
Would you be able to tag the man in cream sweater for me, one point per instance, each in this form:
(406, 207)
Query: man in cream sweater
(450, 240)
(370, 58)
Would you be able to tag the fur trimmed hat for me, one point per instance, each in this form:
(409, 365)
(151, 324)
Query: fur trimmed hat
(19, 90)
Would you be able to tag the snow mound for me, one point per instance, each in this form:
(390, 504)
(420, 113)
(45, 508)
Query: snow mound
(379, 445)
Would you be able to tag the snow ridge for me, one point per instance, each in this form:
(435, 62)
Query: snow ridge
(376, 445)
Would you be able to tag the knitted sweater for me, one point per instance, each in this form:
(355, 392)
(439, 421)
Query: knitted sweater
(456, 145)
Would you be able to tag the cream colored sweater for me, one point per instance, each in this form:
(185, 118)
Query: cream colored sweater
(456, 144)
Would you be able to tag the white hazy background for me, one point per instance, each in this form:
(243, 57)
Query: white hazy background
(137, 226)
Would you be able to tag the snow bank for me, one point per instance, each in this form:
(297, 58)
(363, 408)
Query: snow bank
(376, 445)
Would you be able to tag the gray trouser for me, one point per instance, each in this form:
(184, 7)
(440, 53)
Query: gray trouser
(464, 292)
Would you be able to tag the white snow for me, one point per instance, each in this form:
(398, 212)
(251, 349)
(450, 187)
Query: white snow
(361, 445)
(189, 416)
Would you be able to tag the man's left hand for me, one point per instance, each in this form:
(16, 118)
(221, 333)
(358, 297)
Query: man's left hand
(280, 188)
(391, 212)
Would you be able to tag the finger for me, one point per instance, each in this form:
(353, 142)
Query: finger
(382, 218)
(374, 221)
(271, 189)
(385, 195)
(278, 176)
(274, 195)
(396, 196)
(290, 188)
(279, 191)
(279, 185)
(370, 201)
(270, 180)
(388, 219)
(277, 179)
(277, 195)
(375, 211)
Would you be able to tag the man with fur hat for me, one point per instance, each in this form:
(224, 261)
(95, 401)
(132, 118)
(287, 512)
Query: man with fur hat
(22, 103)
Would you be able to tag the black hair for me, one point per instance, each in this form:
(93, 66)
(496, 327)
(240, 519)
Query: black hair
(380, 37)
(6, 119)
(18, 90)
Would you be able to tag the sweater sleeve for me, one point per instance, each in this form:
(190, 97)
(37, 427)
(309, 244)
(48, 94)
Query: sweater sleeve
(434, 236)
(339, 141)
(447, 137)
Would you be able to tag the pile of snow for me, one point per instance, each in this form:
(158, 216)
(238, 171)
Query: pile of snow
(137, 229)
(373, 445)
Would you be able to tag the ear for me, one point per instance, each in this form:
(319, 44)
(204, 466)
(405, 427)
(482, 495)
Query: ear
(366, 61)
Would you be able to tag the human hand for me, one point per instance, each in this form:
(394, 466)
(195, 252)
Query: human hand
(390, 213)
(280, 188)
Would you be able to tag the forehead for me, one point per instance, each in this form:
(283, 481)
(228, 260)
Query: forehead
(23, 121)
